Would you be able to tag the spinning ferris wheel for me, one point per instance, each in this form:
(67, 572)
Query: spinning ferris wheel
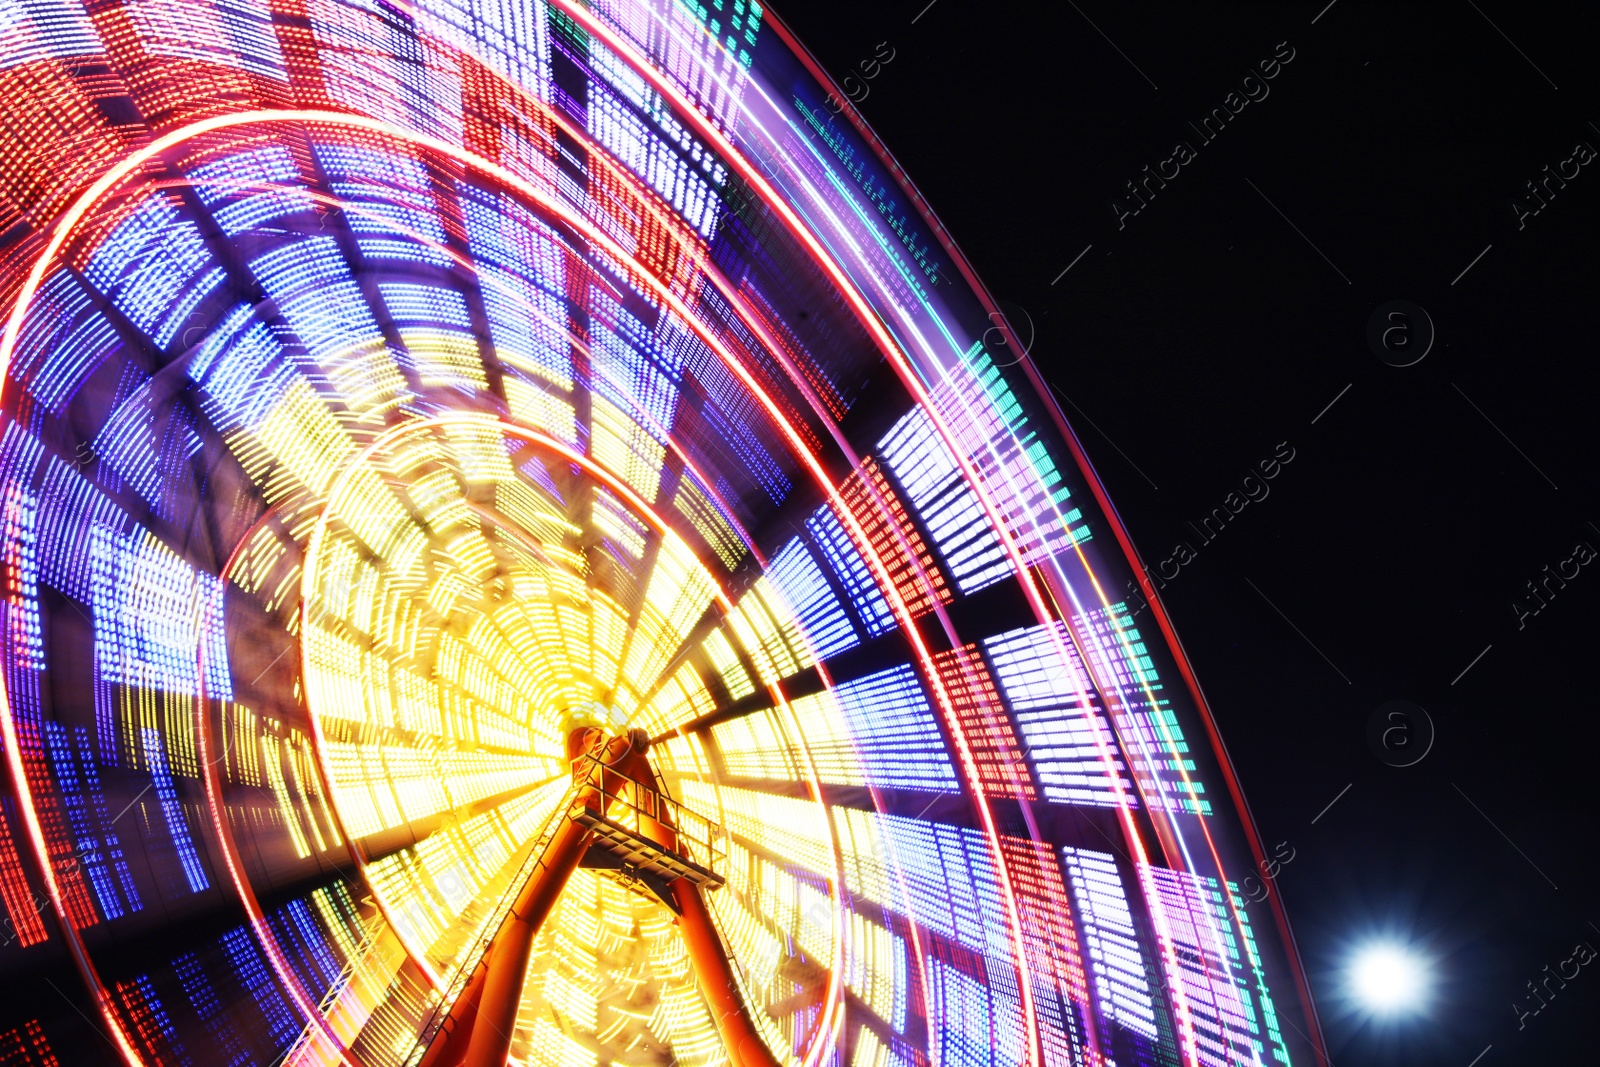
(523, 542)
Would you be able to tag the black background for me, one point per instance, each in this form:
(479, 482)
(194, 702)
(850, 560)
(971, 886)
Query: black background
(1220, 321)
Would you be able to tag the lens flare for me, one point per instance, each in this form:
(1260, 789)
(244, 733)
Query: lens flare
(1389, 978)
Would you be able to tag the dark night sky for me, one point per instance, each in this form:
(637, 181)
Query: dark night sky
(1220, 320)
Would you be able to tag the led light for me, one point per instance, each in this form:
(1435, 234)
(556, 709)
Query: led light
(418, 383)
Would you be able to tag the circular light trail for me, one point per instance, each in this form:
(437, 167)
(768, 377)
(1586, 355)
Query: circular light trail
(387, 390)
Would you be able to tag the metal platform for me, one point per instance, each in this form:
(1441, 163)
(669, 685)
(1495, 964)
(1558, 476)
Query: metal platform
(635, 852)
(627, 842)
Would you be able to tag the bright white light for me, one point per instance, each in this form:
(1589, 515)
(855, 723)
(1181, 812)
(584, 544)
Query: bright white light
(1387, 978)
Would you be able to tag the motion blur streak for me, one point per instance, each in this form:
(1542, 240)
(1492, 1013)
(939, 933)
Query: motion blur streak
(391, 393)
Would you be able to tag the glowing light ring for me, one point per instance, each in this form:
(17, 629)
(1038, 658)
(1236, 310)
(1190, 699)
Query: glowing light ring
(1055, 583)
(640, 507)
(336, 119)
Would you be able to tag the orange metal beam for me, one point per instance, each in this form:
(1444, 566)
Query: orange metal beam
(712, 967)
(478, 1031)
(714, 972)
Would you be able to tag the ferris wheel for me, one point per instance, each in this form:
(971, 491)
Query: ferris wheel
(525, 542)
